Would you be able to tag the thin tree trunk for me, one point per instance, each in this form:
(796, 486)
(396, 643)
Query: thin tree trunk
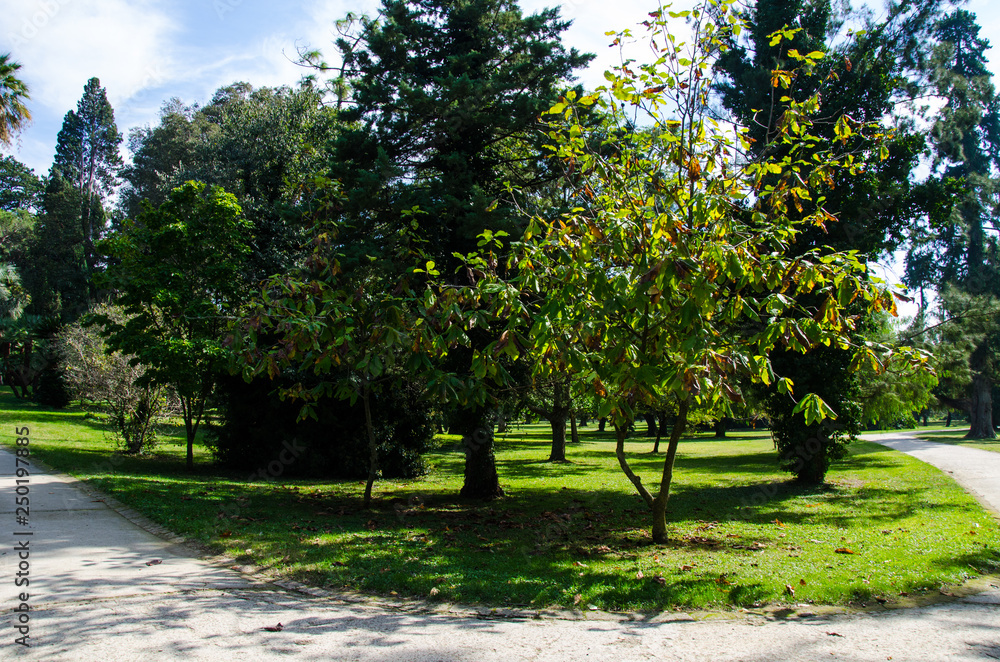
(720, 428)
(372, 447)
(621, 431)
(660, 503)
(574, 433)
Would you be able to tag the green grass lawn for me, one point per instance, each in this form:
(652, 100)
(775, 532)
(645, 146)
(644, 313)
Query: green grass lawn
(567, 535)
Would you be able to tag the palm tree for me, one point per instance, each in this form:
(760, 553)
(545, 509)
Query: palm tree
(14, 115)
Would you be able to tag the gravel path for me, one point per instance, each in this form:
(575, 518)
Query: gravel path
(104, 588)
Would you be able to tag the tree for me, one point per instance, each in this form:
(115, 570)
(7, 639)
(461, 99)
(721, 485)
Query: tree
(20, 188)
(444, 107)
(262, 145)
(14, 115)
(54, 268)
(865, 78)
(87, 157)
(661, 287)
(176, 274)
(359, 335)
(953, 248)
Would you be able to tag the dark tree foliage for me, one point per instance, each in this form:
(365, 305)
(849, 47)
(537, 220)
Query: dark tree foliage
(259, 144)
(445, 101)
(54, 270)
(957, 247)
(261, 429)
(861, 79)
(20, 187)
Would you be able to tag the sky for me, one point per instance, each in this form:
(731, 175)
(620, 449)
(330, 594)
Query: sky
(146, 52)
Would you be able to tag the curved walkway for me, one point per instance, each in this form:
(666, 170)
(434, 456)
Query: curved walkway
(104, 589)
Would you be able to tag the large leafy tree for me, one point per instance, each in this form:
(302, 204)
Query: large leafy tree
(259, 144)
(87, 157)
(862, 80)
(445, 99)
(660, 288)
(14, 114)
(955, 248)
(176, 272)
(20, 187)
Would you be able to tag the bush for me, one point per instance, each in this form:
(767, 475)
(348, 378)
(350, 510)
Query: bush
(113, 380)
(255, 426)
(51, 389)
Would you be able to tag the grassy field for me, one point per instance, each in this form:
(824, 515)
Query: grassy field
(566, 535)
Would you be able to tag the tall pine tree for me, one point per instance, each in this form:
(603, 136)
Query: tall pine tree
(861, 80)
(445, 98)
(955, 249)
(87, 157)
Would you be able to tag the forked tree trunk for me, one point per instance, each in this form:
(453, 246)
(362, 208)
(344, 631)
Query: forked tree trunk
(663, 497)
(657, 504)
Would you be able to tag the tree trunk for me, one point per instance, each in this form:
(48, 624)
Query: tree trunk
(663, 496)
(574, 433)
(481, 480)
(651, 428)
(720, 428)
(501, 422)
(621, 431)
(372, 448)
(947, 422)
(602, 424)
(558, 451)
(981, 411)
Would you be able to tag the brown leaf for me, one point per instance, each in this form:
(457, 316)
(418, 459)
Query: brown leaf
(639, 575)
(843, 550)
(275, 628)
(154, 562)
(577, 598)
(659, 580)
(789, 590)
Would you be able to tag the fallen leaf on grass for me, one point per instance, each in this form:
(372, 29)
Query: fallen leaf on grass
(843, 550)
(685, 568)
(434, 591)
(789, 590)
(639, 575)
(577, 598)
(660, 580)
(275, 628)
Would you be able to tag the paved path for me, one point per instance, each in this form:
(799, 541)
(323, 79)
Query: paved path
(96, 596)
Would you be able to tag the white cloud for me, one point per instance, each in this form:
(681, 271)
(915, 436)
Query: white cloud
(63, 43)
